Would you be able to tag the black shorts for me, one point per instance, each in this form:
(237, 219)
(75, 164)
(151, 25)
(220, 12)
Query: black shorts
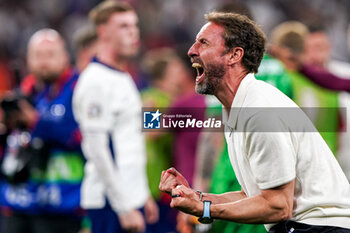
(290, 226)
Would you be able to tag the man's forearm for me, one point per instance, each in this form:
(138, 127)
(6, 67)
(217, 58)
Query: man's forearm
(224, 198)
(271, 205)
(254, 210)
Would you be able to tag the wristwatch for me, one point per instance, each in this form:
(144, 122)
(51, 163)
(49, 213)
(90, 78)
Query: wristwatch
(206, 219)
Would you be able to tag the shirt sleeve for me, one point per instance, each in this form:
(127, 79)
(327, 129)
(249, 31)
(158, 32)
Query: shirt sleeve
(113, 113)
(326, 79)
(271, 155)
(94, 109)
(96, 149)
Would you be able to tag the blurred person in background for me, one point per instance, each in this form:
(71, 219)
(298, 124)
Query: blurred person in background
(317, 46)
(172, 86)
(164, 70)
(48, 198)
(185, 143)
(107, 106)
(318, 49)
(7, 78)
(85, 45)
(321, 105)
(317, 56)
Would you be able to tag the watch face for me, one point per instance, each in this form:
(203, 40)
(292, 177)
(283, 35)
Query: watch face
(205, 220)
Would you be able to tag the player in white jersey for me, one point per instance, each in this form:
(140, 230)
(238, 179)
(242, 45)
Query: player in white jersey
(290, 179)
(107, 107)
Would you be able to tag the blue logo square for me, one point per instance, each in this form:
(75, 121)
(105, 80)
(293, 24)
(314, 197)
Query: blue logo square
(151, 120)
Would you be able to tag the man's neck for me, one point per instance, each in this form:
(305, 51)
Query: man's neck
(106, 55)
(227, 90)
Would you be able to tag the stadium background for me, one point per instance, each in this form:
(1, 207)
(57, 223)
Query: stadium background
(163, 23)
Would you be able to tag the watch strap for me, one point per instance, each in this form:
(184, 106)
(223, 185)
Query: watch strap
(206, 209)
(206, 219)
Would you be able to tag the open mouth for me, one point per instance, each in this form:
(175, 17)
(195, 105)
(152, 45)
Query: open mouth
(200, 71)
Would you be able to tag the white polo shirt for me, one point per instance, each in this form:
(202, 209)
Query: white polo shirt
(271, 149)
(107, 107)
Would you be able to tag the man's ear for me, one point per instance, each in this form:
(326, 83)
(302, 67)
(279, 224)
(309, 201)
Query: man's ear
(235, 55)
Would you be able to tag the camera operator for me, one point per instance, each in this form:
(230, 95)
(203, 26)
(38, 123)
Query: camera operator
(46, 196)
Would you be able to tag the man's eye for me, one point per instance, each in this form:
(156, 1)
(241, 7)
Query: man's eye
(203, 41)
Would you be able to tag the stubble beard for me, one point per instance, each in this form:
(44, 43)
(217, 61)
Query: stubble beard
(211, 80)
(48, 77)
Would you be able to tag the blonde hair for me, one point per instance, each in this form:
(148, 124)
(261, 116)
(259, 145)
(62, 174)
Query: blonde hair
(101, 13)
(290, 34)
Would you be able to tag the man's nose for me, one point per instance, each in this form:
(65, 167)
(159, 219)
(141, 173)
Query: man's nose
(192, 52)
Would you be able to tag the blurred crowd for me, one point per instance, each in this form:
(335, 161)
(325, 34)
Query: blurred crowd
(308, 59)
(162, 23)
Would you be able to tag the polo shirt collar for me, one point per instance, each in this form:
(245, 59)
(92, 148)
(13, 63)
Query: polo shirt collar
(237, 103)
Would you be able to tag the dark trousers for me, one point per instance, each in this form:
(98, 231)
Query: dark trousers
(290, 226)
(24, 223)
(105, 220)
